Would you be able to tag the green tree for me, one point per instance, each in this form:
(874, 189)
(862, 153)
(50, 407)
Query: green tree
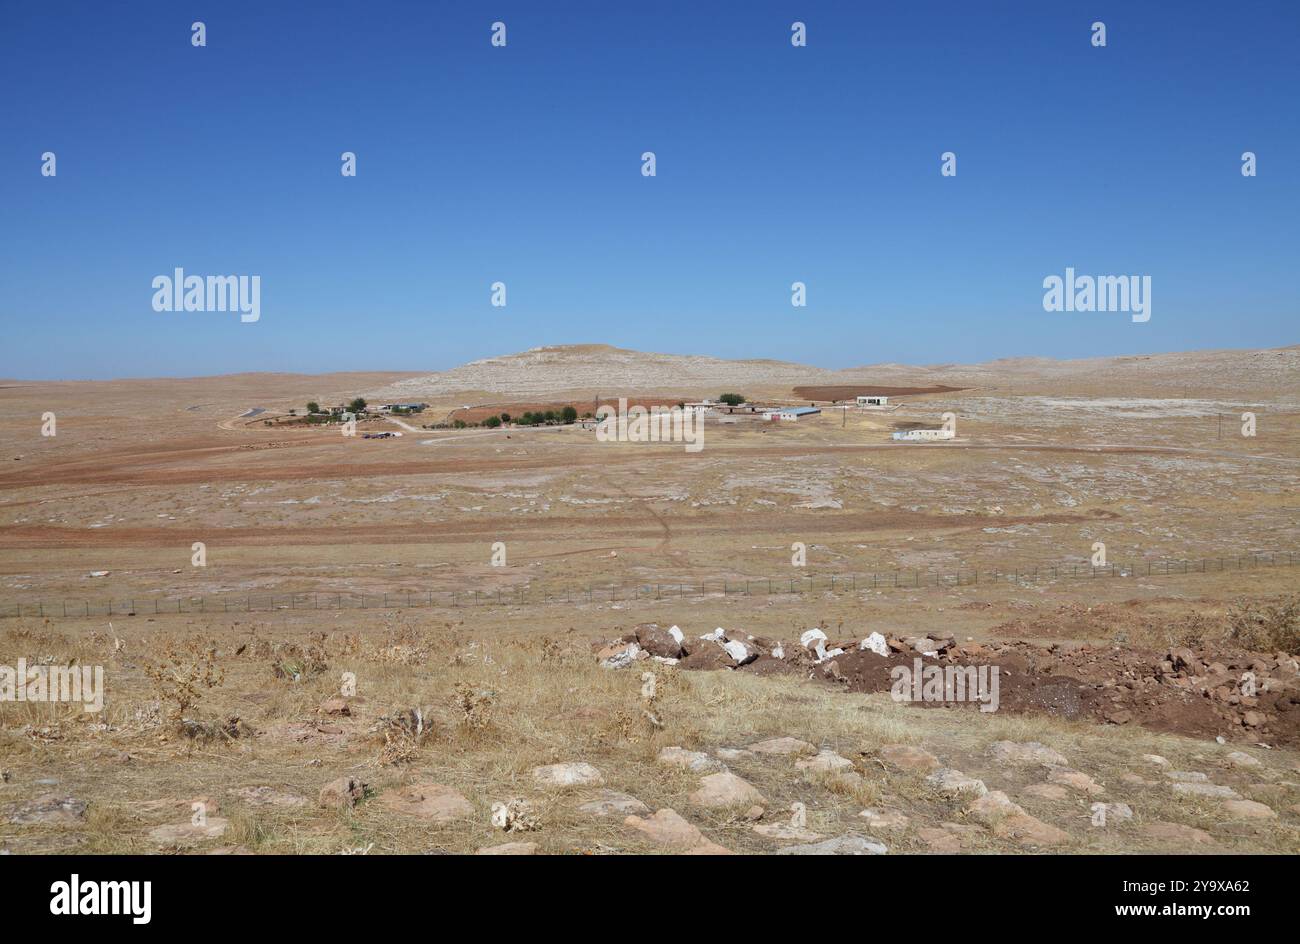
(732, 399)
(569, 414)
(505, 417)
(313, 406)
(357, 406)
(492, 422)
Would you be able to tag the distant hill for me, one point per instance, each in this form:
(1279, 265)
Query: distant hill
(606, 370)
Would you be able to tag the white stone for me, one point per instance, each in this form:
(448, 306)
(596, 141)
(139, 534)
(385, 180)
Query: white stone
(875, 643)
(811, 637)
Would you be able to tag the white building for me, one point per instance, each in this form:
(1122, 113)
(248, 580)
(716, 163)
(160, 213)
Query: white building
(873, 401)
(923, 435)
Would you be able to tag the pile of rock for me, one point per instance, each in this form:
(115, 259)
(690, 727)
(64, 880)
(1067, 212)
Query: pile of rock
(721, 648)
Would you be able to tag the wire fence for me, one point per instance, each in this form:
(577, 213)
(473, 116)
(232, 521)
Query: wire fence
(539, 595)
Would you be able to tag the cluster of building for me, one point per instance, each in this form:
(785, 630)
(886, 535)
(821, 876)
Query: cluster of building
(755, 410)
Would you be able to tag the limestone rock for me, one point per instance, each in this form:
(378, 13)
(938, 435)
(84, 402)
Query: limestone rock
(784, 746)
(1207, 790)
(179, 833)
(953, 783)
(826, 761)
(725, 789)
(908, 757)
(666, 828)
(572, 774)
(609, 802)
(695, 761)
(840, 845)
(1029, 752)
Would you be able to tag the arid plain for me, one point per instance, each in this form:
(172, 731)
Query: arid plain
(223, 681)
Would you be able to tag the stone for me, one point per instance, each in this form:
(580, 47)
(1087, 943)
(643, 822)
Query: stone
(783, 746)
(1047, 791)
(660, 642)
(1248, 809)
(940, 840)
(342, 794)
(874, 643)
(619, 655)
(1029, 752)
(1176, 833)
(610, 802)
(335, 706)
(49, 808)
(509, 848)
(1106, 814)
(786, 831)
(815, 640)
(695, 761)
(884, 819)
(1207, 790)
(734, 753)
(1028, 831)
(1155, 759)
(907, 757)
(1135, 780)
(1241, 760)
(826, 761)
(1075, 780)
(666, 828)
(177, 833)
(431, 801)
(993, 806)
(725, 789)
(953, 783)
(572, 774)
(1187, 776)
(741, 653)
(840, 845)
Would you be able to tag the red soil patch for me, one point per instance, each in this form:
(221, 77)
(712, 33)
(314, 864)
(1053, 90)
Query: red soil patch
(1200, 697)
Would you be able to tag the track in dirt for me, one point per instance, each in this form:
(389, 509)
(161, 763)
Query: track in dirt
(655, 527)
(173, 465)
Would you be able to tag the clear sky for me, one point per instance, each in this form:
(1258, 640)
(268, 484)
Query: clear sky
(523, 164)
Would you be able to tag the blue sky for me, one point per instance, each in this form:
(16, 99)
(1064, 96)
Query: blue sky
(522, 164)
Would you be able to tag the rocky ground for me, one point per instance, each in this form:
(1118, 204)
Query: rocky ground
(407, 734)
